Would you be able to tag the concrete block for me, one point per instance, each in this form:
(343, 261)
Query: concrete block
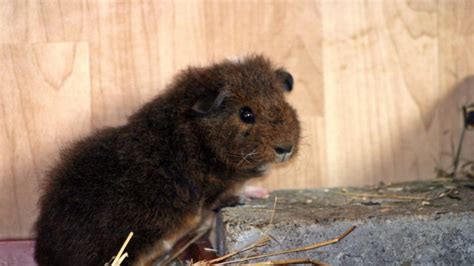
(424, 222)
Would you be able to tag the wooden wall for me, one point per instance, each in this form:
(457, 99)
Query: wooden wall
(378, 88)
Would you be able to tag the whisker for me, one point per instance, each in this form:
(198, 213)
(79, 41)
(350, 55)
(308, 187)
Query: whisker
(244, 158)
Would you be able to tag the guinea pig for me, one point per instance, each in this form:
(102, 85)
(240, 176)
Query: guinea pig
(175, 160)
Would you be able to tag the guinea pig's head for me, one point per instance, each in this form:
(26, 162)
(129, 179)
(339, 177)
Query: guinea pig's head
(242, 116)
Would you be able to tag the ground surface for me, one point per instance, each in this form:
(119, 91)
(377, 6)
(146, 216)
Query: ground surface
(429, 222)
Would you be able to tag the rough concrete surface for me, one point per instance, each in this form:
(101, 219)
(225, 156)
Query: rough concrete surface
(417, 223)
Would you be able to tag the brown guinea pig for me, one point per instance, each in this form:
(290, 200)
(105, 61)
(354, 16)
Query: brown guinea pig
(163, 172)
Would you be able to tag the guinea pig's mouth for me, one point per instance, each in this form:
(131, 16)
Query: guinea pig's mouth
(262, 168)
(280, 155)
(259, 170)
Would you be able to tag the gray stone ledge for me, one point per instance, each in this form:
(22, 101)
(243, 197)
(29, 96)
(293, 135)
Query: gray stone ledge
(435, 225)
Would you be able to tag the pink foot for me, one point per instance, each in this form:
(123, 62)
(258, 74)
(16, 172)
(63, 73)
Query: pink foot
(254, 192)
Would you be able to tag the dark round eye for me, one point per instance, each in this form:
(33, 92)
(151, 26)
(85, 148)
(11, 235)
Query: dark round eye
(246, 115)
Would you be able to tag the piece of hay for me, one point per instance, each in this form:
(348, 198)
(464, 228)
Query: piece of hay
(120, 257)
(290, 262)
(381, 196)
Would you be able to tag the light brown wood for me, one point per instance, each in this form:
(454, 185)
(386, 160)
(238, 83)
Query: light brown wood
(45, 100)
(379, 100)
(379, 84)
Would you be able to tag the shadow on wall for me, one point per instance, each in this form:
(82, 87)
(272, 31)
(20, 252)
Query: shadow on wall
(450, 113)
(421, 150)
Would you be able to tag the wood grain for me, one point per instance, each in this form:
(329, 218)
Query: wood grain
(45, 100)
(379, 84)
(378, 104)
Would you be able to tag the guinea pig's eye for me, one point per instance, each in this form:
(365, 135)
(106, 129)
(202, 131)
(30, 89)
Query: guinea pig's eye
(246, 115)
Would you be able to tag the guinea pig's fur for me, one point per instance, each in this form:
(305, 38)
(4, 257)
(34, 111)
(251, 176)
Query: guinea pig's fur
(164, 171)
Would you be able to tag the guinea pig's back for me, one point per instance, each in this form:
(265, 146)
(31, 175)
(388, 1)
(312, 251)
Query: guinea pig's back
(75, 207)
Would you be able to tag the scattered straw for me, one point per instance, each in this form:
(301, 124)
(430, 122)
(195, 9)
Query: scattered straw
(310, 247)
(264, 241)
(260, 243)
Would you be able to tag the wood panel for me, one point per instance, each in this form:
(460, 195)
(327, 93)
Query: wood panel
(45, 103)
(379, 84)
(379, 101)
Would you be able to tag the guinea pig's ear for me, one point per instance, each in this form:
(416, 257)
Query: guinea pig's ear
(286, 78)
(209, 103)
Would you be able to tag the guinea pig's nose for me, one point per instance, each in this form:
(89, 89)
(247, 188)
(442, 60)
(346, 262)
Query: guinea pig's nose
(283, 149)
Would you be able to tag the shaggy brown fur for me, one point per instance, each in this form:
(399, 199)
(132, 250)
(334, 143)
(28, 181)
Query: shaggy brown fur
(174, 159)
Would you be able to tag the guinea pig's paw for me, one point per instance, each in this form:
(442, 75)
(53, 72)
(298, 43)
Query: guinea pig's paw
(254, 192)
(232, 201)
